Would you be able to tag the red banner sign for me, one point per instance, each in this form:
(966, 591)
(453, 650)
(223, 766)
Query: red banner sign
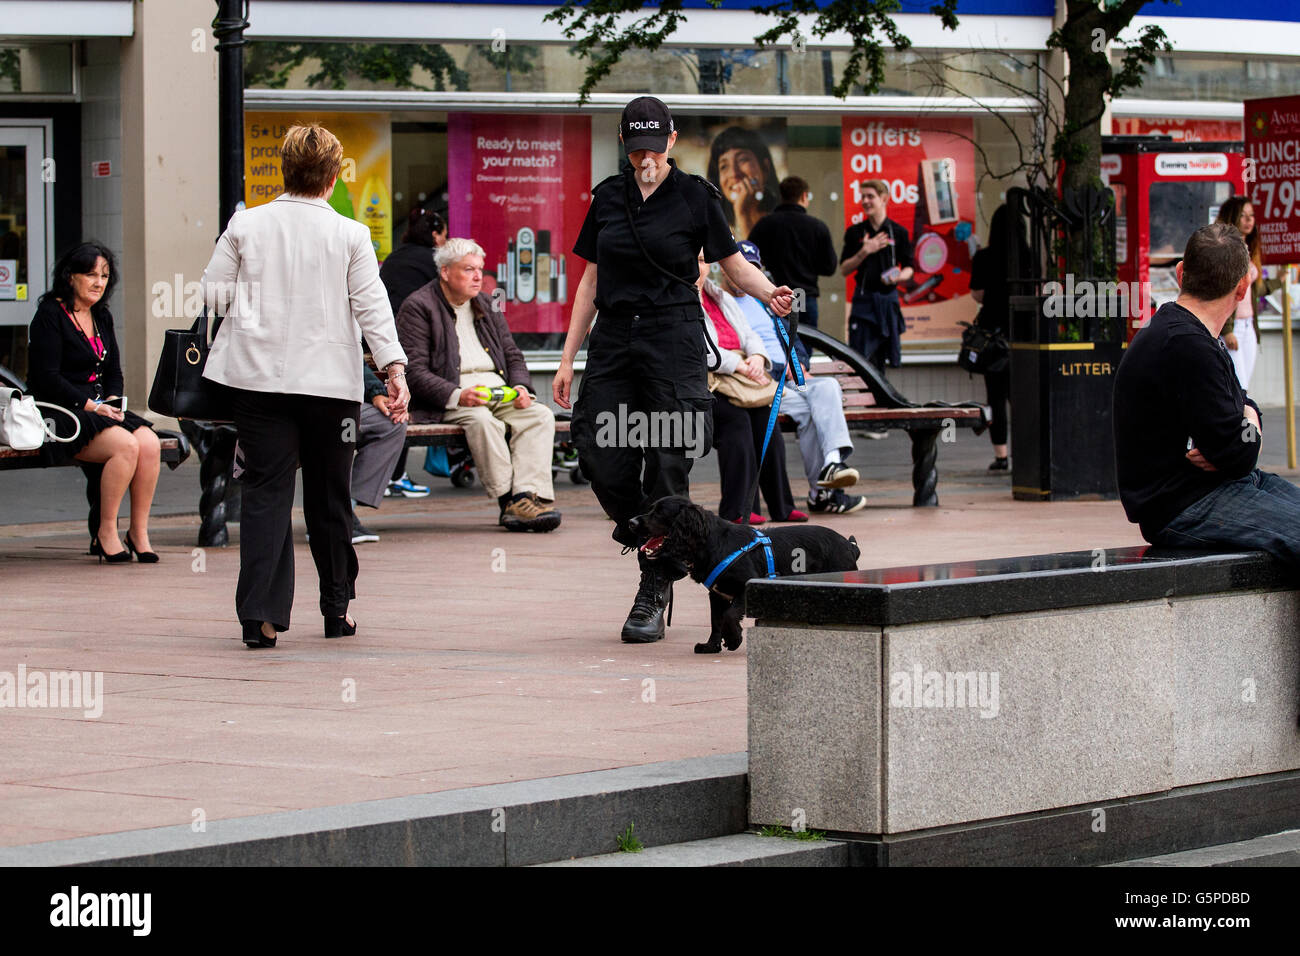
(929, 167)
(1271, 171)
(520, 187)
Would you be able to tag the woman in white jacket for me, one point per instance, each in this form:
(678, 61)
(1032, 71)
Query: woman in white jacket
(297, 284)
(738, 432)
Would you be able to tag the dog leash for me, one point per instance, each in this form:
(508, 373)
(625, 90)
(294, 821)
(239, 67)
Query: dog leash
(796, 369)
(759, 538)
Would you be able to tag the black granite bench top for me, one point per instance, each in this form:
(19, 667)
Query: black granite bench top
(1042, 582)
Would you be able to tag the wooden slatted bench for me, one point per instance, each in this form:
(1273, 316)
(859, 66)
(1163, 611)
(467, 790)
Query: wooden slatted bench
(175, 449)
(12, 458)
(870, 399)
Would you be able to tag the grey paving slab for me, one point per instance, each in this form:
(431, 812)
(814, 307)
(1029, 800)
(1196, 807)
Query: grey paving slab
(740, 849)
(1277, 849)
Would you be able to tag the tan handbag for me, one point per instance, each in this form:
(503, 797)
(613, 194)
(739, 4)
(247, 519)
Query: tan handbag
(741, 390)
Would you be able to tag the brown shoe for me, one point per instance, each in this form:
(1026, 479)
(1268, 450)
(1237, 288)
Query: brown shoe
(529, 513)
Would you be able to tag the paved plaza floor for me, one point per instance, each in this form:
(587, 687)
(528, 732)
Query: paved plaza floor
(481, 656)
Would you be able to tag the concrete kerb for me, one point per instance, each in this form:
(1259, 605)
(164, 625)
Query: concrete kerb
(507, 824)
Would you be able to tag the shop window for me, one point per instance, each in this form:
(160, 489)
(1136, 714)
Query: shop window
(552, 68)
(39, 68)
(1225, 78)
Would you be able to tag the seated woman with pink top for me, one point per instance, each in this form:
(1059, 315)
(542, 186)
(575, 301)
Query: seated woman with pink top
(738, 432)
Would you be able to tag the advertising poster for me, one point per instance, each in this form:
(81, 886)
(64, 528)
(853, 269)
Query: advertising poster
(744, 158)
(930, 172)
(1273, 158)
(365, 187)
(1179, 130)
(520, 187)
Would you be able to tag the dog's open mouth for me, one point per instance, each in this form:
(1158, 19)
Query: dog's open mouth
(651, 547)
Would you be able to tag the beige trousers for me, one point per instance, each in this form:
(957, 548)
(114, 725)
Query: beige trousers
(522, 465)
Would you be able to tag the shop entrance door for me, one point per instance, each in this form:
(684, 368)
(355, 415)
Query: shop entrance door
(26, 207)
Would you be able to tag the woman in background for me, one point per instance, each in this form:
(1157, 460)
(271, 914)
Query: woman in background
(740, 165)
(75, 364)
(298, 280)
(1243, 338)
(990, 286)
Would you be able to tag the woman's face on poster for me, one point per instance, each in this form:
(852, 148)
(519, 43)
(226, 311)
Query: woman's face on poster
(740, 175)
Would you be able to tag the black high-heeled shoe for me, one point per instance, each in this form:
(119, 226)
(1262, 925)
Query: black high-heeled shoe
(254, 637)
(144, 557)
(120, 557)
(339, 627)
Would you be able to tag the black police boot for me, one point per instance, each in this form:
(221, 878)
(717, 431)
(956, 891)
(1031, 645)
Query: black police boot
(654, 599)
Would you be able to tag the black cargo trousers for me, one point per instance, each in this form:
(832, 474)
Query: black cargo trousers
(644, 412)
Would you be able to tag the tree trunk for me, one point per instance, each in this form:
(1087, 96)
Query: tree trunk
(1079, 143)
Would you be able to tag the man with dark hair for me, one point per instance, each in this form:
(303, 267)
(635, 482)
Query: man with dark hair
(1186, 436)
(796, 247)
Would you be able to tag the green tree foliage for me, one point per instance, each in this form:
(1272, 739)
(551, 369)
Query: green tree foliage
(270, 64)
(603, 30)
(11, 68)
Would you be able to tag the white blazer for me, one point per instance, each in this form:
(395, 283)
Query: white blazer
(297, 283)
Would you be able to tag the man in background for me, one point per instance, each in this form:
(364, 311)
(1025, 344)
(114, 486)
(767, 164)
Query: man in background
(795, 246)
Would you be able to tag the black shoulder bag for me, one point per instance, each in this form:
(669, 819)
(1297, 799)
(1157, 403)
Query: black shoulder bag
(983, 352)
(179, 388)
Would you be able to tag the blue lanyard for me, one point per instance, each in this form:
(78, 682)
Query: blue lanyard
(759, 538)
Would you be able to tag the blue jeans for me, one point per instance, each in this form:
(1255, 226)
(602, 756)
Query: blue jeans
(1260, 511)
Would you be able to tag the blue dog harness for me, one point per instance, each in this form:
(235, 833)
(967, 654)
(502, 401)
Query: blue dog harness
(759, 538)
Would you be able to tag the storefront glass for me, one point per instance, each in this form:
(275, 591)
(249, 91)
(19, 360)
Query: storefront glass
(1197, 76)
(551, 68)
(44, 68)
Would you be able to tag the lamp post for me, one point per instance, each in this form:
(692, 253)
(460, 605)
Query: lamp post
(228, 28)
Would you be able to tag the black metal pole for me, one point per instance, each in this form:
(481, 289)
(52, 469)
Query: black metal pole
(228, 28)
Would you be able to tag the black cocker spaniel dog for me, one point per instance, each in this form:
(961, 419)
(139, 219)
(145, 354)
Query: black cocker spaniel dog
(675, 528)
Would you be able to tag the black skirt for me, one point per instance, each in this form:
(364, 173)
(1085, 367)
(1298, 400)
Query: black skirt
(57, 452)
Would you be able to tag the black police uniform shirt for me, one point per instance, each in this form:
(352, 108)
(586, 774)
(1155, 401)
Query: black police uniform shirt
(680, 217)
(867, 276)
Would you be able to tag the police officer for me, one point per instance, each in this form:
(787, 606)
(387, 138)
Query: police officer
(647, 354)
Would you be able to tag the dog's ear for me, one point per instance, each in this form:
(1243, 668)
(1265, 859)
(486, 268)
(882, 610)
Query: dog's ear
(691, 528)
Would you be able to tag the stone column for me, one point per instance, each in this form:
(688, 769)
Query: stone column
(169, 176)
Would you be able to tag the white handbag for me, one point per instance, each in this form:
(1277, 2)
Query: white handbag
(21, 426)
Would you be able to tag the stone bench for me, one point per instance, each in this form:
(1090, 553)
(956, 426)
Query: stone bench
(1069, 708)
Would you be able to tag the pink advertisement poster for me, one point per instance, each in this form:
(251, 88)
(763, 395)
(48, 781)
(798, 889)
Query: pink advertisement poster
(929, 167)
(520, 187)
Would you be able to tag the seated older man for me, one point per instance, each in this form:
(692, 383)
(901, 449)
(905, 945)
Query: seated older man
(462, 367)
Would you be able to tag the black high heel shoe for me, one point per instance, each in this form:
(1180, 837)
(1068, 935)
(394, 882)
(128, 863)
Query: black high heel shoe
(339, 627)
(144, 557)
(121, 557)
(254, 637)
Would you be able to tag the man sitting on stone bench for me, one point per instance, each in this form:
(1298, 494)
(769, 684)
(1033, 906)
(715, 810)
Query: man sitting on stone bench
(1187, 438)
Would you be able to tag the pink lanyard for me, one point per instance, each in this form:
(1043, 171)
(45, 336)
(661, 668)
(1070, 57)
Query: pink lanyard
(96, 344)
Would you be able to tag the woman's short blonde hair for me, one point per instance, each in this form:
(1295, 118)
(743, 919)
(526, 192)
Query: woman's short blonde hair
(310, 158)
(453, 250)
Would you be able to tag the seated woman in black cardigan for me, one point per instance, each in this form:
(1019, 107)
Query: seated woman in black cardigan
(74, 362)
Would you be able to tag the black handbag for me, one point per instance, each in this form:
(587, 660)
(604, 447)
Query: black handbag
(179, 388)
(983, 352)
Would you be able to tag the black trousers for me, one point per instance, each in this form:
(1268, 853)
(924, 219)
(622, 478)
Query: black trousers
(642, 370)
(276, 433)
(998, 387)
(738, 436)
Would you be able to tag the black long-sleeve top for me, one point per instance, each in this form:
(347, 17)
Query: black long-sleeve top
(61, 362)
(796, 247)
(1176, 385)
